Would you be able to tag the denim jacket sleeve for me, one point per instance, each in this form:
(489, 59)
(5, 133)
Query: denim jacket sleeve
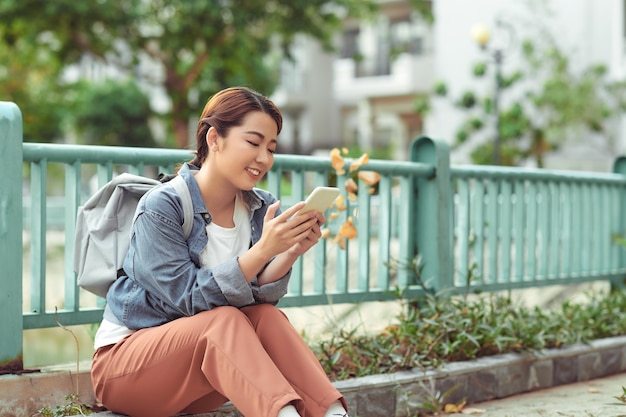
(270, 293)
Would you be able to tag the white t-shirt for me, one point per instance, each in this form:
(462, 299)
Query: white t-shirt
(224, 243)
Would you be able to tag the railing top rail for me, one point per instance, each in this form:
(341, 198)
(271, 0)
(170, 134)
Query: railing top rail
(311, 163)
(64, 153)
(517, 173)
(34, 152)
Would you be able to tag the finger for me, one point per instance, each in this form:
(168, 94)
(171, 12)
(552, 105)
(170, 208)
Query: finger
(291, 210)
(311, 214)
(271, 211)
(299, 224)
(304, 220)
(309, 230)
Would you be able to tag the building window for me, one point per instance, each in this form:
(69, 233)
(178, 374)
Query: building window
(350, 43)
(405, 37)
(388, 39)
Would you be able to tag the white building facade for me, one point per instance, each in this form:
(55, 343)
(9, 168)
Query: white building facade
(365, 95)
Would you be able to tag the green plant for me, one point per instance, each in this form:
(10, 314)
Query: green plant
(622, 398)
(73, 407)
(432, 401)
(438, 328)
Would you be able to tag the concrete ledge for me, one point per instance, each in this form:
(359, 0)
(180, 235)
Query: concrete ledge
(385, 395)
(22, 395)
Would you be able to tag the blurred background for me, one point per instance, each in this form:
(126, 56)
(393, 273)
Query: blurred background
(511, 82)
(532, 83)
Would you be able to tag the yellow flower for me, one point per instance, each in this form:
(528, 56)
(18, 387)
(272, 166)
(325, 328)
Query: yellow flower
(369, 177)
(337, 162)
(339, 203)
(347, 229)
(356, 164)
(351, 186)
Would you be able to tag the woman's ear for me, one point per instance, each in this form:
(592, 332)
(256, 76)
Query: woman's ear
(211, 139)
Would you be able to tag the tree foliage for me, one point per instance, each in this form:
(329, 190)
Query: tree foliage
(190, 48)
(113, 113)
(424, 8)
(28, 78)
(544, 103)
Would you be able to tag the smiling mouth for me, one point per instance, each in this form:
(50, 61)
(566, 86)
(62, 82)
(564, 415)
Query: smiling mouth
(254, 172)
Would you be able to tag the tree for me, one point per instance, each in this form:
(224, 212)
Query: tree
(424, 8)
(547, 102)
(29, 78)
(195, 47)
(113, 113)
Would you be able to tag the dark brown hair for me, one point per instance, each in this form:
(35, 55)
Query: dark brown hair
(227, 109)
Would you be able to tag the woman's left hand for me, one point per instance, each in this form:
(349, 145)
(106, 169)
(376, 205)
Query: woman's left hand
(308, 239)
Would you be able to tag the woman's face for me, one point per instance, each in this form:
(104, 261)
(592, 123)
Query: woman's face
(246, 154)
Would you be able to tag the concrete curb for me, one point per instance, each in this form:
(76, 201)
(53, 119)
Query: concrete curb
(398, 394)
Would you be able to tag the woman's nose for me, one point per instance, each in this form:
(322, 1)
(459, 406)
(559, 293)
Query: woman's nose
(263, 156)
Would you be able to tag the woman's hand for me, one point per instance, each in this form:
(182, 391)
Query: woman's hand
(291, 235)
(284, 238)
(295, 233)
(310, 238)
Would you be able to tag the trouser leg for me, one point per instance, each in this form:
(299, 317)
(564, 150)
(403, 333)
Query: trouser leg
(293, 357)
(161, 371)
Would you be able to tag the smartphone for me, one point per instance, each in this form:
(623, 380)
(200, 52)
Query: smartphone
(320, 199)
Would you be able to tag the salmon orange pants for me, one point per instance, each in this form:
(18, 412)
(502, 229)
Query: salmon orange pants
(251, 356)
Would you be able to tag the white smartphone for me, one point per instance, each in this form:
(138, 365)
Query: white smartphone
(320, 199)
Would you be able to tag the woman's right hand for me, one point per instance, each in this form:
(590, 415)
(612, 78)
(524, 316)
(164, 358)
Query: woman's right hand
(286, 230)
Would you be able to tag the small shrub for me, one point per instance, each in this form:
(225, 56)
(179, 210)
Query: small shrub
(438, 329)
(73, 407)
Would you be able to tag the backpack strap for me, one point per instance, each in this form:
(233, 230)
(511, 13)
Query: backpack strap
(183, 191)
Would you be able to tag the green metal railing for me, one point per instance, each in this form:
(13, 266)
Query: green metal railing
(517, 228)
(474, 228)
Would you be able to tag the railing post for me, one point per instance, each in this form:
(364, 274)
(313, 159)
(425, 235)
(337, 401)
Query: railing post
(619, 167)
(11, 236)
(434, 213)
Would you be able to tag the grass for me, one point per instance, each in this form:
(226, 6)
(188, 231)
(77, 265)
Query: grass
(439, 329)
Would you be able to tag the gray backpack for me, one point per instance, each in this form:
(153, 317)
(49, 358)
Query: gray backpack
(103, 226)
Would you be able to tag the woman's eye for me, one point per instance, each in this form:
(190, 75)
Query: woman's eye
(272, 151)
(252, 143)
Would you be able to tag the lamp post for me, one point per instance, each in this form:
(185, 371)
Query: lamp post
(482, 36)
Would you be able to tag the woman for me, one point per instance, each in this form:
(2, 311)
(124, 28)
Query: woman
(192, 323)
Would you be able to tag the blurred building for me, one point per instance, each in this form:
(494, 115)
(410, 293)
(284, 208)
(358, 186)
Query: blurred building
(365, 94)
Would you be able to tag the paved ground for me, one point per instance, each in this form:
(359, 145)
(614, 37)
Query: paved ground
(595, 398)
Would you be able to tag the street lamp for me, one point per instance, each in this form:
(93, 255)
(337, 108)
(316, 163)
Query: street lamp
(482, 36)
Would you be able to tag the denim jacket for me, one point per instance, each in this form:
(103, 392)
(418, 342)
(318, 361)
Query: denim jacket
(164, 279)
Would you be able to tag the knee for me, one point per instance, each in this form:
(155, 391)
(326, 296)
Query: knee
(262, 312)
(224, 315)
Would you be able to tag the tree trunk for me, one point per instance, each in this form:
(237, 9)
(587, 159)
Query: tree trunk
(177, 87)
(181, 129)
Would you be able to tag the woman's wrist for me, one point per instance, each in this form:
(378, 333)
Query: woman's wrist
(253, 261)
